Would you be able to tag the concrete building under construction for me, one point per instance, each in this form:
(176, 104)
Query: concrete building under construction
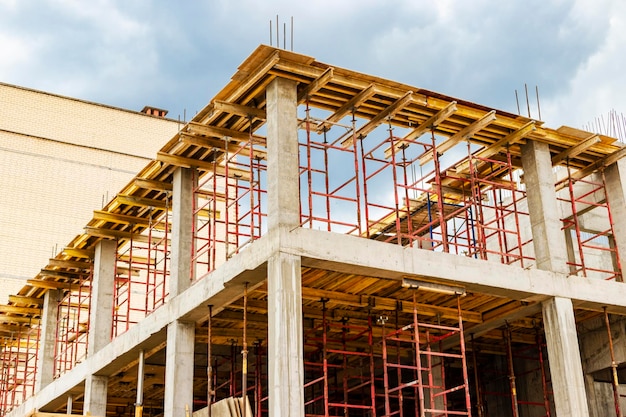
(323, 242)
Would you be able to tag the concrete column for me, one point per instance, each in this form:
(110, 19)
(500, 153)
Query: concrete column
(615, 177)
(282, 154)
(47, 338)
(95, 396)
(179, 368)
(548, 239)
(286, 368)
(284, 280)
(101, 309)
(570, 398)
(182, 218)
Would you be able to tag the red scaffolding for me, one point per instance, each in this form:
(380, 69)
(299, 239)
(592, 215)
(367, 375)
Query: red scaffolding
(397, 187)
(339, 369)
(141, 273)
(329, 176)
(588, 226)
(419, 384)
(19, 355)
(72, 327)
(228, 204)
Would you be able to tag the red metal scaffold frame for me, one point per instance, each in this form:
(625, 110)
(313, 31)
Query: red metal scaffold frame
(329, 177)
(228, 205)
(425, 373)
(584, 196)
(19, 355)
(141, 273)
(352, 392)
(72, 327)
(517, 397)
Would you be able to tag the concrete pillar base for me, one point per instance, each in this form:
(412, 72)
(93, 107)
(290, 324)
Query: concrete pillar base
(568, 384)
(95, 396)
(285, 349)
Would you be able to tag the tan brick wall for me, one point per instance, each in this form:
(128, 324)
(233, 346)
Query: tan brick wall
(68, 120)
(60, 159)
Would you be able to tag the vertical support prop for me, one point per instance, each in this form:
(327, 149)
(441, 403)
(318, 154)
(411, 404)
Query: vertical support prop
(140, 374)
(614, 378)
(209, 361)
(244, 352)
(509, 356)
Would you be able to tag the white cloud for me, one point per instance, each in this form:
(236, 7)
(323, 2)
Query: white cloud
(16, 52)
(598, 85)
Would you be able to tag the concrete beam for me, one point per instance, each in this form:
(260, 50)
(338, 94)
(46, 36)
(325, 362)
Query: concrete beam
(355, 255)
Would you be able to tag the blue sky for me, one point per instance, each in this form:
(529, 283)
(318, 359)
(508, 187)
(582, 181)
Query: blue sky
(177, 55)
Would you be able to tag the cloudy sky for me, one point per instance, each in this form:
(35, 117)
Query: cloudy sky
(178, 54)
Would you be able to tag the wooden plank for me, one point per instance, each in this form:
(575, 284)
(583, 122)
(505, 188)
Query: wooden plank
(316, 84)
(253, 77)
(8, 328)
(19, 310)
(428, 124)
(116, 234)
(220, 170)
(239, 110)
(20, 299)
(131, 200)
(120, 218)
(78, 253)
(69, 264)
(50, 285)
(53, 273)
(153, 184)
(600, 163)
(576, 150)
(493, 149)
(18, 319)
(222, 132)
(353, 103)
(212, 143)
(389, 111)
(463, 134)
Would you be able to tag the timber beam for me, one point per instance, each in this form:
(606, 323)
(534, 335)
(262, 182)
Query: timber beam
(120, 218)
(493, 149)
(430, 123)
(576, 150)
(218, 169)
(464, 134)
(349, 106)
(239, 110)
(387, 112)
(131, 200)
(223, 133)
(153, 184)
(316, 85)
